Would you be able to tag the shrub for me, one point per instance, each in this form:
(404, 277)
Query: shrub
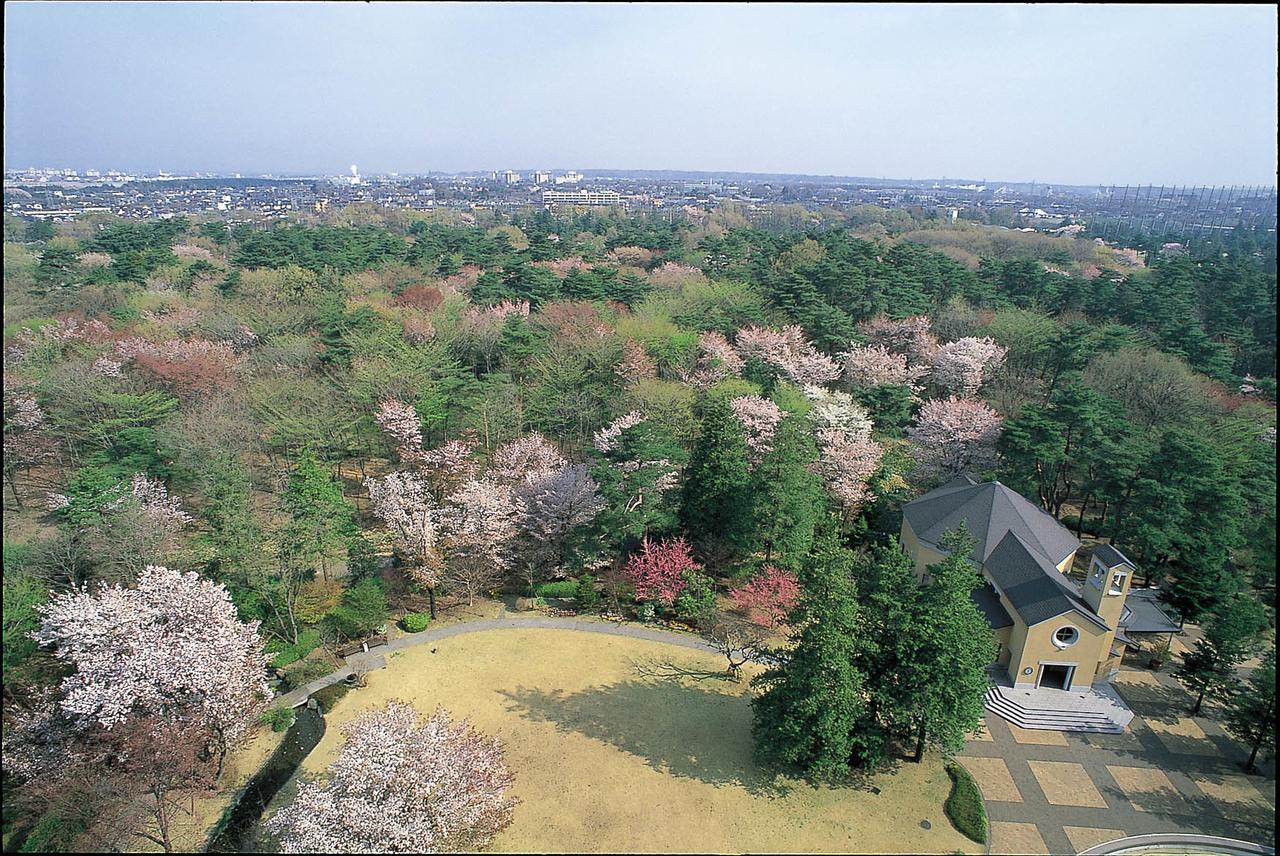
(559, 588)
(362, 611)
(588, 595)
(645, 610)
(316, 599)
(964, 806)
(696, 599)
(304, 673)
(416, 622)
(279, 718)
(329, 696)
(308, 641)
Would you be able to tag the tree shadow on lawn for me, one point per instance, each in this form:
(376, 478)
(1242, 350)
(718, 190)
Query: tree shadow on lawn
(677, 729)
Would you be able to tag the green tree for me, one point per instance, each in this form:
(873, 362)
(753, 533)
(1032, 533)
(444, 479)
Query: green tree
(811, 705)
(362, 611)
(1251, 711)
(716, 503)
(788, 495)
(39, 230)
(887, 593)
(59, 268)
(943, 671)
(1229, 635)
(321, 514)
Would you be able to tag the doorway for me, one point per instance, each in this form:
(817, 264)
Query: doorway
(1055, 677)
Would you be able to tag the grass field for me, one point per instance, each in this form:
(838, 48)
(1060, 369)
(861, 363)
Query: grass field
(614, 751)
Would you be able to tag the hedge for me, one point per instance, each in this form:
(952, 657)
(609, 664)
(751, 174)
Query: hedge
(964, 806)
(559, 588)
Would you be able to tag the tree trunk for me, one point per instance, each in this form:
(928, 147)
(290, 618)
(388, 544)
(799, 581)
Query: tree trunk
(1088, 497)
(919, 755)
(431, 598)
(1249, 766)
(1195, 708)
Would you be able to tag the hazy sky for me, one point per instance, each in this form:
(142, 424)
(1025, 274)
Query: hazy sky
(1067, 94)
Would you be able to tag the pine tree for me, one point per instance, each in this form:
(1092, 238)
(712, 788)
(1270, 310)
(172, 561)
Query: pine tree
(811, 707)
(1228, 635)
(716, 505)
(1251, 712)
(788, 495)
(321, 514)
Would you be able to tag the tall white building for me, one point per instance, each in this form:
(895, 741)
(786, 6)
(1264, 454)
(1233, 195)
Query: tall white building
(569, 177)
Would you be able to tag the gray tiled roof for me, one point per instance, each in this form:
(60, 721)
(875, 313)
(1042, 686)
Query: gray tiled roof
(1110, 557)
(1033, 585)
(989, 511)
(988, 602)
(1142, 614)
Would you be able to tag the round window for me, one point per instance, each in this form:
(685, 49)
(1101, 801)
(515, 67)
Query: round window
(1065, 637)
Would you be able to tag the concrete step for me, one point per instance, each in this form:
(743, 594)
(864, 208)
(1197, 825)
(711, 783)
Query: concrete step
(1048, 719)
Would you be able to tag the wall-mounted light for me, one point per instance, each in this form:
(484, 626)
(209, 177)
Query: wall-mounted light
(1027, 670)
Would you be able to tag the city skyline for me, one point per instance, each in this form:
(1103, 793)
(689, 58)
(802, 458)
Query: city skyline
(1009, 94)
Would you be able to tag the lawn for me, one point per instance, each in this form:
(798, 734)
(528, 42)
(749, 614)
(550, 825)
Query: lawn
(613, 751)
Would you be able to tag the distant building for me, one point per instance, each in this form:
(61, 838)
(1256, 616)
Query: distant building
(541, 176)
(569, 177)
(582, 197)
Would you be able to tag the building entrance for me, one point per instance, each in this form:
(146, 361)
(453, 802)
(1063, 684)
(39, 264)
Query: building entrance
(1055, 677)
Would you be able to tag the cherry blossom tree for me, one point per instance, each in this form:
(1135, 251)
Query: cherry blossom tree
(832, 411)
(953, 436)
(789, 351)
(768, 597)
(636, 364)
(402, 783)
(961, 367)
(912, 337)
(403, 502)
(525, 460)
(606, 438)
(477, 525)
(869, 366)
(171, 645)
(847, 463)
(400, 422)
(759, 418)
(658, 570)
(555, 508)
(716, 361)
(26, 444)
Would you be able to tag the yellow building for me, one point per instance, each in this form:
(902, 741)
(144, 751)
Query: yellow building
(1053, 633)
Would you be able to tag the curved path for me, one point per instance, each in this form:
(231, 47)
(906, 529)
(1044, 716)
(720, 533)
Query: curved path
(375, 657)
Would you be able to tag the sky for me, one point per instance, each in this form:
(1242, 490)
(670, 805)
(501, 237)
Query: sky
(1070, 94)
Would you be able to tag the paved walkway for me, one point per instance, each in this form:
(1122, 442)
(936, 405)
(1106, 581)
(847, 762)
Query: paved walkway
(1054, 792)
(376, 658)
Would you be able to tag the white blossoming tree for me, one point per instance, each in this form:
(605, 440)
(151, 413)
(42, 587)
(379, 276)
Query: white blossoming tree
(403, 502)
(402, 784)
(759, 418)
(962, 366)
(789, 351)
(556, 510)
(171, 646)
(952, 436)
(477, 525)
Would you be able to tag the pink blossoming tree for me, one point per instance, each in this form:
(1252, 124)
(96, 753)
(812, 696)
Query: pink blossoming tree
(658, 570)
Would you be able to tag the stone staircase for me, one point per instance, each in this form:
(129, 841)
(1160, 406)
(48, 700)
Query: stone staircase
(1096, 711)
